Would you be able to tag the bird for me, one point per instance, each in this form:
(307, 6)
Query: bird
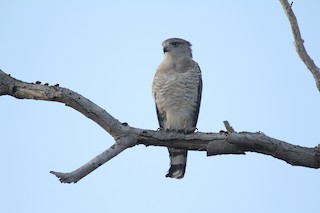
(176, 89)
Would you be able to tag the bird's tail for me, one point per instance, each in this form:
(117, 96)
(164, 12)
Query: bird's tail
(178, 162)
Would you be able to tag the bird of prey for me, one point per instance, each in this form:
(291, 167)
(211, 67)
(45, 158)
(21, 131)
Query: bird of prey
(176, 88)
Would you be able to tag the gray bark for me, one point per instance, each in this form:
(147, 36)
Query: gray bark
(224, 142)
(299, 42)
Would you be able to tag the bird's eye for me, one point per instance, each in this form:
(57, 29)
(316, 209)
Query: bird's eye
(175, 44)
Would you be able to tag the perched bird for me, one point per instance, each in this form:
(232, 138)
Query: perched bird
(176, 88)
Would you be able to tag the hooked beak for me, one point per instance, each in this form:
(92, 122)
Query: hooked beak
(165, 49)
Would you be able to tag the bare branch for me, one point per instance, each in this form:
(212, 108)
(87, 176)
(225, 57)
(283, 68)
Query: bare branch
(315, 71)
(235, 143)
(96, 162)
(22, 90)
(229, 142)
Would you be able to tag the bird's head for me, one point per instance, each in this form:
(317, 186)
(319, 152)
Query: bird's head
(177, 47)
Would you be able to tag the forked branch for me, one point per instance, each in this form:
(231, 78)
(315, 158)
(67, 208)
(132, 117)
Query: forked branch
(229, 142)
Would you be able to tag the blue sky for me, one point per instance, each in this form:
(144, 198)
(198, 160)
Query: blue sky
(108, 52)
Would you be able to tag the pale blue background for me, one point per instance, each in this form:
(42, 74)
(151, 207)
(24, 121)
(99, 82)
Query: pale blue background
(108, 51)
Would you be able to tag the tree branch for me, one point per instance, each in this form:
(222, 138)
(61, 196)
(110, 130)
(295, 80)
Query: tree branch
(96, 162)
(229, 142)
(22, 90)
(315, 71)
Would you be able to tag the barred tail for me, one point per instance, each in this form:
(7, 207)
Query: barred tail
(178, 162)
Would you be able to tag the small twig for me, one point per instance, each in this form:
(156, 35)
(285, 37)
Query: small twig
(228, 127)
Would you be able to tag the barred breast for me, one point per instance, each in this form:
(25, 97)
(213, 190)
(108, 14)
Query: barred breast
(176, 96)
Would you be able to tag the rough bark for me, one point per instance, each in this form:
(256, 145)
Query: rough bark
(299, 42)
(228, 142)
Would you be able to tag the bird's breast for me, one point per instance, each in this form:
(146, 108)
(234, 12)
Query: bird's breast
(176, 96)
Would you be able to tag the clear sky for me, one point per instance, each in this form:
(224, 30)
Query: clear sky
(108, 51)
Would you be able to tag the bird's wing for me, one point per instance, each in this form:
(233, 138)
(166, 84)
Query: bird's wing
(161, 117)
(199, 92)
